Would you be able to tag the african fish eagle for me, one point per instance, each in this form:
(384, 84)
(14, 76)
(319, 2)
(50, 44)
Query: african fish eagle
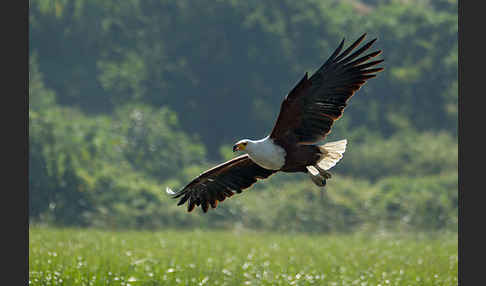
(306, 116)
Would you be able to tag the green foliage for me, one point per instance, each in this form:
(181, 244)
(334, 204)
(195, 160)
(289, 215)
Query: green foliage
(405, 154)
(83, 170)
(126, 98)
(152, 141)
(427, 203)
(58, 155)
(293, 206)
(237, 60)
(40, 97)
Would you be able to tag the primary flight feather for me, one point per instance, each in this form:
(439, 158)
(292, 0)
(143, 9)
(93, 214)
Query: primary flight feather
(306, 116)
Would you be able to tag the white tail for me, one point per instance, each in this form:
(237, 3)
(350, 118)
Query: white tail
(332, 152)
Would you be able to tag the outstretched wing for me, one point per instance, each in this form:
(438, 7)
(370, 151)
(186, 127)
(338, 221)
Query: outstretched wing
(220, 182)
(309, 110)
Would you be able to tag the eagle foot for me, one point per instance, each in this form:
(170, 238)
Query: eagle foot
(323, 173)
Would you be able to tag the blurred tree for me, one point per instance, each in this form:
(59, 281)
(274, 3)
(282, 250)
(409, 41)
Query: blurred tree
(237, 60)
(41, 100)
(406, 153)
(70, 154)
(152, 142)
(69, 39)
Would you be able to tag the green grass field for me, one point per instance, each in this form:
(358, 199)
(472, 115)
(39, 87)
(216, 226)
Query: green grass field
(95, 257)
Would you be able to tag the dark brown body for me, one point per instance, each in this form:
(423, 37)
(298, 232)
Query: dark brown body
(299, 157)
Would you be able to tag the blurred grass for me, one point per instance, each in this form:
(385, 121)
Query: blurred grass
(101, 257)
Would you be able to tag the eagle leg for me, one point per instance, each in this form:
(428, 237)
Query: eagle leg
(323, 172)
(315, 175)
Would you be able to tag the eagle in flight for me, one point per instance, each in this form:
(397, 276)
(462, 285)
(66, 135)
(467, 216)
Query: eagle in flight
(306, 116)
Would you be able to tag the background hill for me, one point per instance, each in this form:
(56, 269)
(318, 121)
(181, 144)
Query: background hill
(127, 97)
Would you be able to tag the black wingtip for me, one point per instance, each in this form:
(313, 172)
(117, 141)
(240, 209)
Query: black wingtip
(362, 37)
(359, 40)
(336, 51)
(183, 199)
(205, 206)
(374, 54)
(191, 205)
(368, 45)
(351, 47)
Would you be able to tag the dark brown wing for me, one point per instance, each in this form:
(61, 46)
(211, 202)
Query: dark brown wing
(309, 110)
(220, 182)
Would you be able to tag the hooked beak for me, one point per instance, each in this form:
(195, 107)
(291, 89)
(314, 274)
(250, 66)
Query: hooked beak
(239, 147)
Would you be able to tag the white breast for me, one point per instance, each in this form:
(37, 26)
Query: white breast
(266, 153)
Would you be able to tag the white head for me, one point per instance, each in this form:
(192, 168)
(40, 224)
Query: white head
(263, 152)
(242, 145)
